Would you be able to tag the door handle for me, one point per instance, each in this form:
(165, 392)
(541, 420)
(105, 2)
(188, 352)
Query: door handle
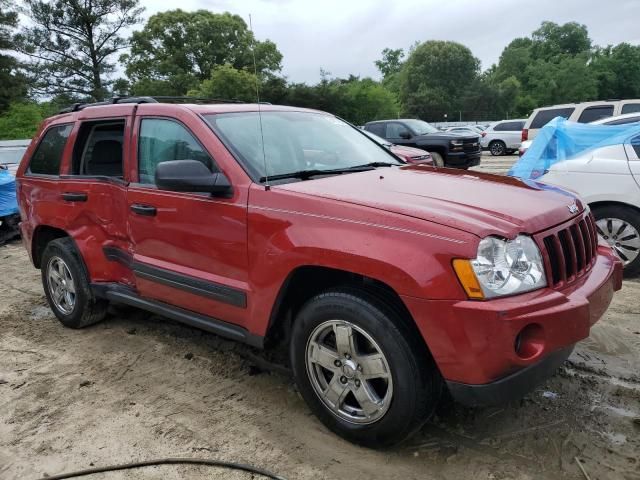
(74, 197)
(146, 210)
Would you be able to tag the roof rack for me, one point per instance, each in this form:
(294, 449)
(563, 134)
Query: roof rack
(147, 99)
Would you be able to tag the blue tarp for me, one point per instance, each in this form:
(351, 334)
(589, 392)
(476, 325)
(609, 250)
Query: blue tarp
(561, 140)
(8, 203)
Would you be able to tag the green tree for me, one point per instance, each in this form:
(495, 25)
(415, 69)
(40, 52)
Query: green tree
(617, 69)
(434, 76)
(70, 44)
(228, 83)
(21, 120)
(391, 61)
(12, 84)
(551, 40)
(177, 50)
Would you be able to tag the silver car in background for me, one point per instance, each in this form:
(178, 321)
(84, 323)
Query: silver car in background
(502, 137)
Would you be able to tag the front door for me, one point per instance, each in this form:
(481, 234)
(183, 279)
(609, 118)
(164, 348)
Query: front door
(189, 249)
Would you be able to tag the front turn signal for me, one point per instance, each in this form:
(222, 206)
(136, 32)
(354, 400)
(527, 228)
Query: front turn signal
(468, 278)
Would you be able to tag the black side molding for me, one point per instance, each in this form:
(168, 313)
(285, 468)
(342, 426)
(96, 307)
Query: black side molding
(196, 286)
(119, 294)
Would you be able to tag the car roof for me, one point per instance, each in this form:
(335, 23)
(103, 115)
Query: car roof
(391, 120)
(604, 121)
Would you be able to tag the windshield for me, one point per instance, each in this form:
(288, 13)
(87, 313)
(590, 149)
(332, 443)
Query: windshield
(420, 127)
(376, 138)
(294, 142)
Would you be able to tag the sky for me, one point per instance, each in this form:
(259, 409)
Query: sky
(346, 36)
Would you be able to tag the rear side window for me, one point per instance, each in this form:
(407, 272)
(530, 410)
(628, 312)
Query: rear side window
(508, 127)
(545, 116)
(99, 149)
(591, 114)
(48, 155)
(164, 140)
(630, 108)
(377, 129)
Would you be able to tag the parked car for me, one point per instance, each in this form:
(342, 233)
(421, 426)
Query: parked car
(387, 283)
(467, 130)
(608, 180)
(11, 152)
(446, 149)
(408, 154)
(615, 120)
(584, 112)
(502, 137)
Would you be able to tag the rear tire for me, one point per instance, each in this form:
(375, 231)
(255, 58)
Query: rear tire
(66, 285)
(438, 161)
(620, 227)
(497, 148)
(375, 403)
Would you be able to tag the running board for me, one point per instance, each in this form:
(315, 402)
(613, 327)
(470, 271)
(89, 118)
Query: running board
(119, 294)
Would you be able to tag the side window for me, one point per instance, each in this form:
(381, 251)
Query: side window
(591, 114)
(624, 121)
(395, 130)
(545, 116)
(630, 108)
(98, 149)
(48, 156)
(501, 127)
(163, 140)
(377, 129)
(635, 143)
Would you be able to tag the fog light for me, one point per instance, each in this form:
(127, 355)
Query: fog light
(529, 343)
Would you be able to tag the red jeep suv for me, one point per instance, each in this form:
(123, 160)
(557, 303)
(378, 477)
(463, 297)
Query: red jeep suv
(273, 225)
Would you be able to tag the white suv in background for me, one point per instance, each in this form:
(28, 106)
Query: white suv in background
(502, 137)
(585, 112)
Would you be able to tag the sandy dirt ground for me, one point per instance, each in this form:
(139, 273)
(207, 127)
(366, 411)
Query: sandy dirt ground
(137, 386)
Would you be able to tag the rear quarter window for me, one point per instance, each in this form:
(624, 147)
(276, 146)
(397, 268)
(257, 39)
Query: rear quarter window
(48, 155)
(508, 126)
(545, 116)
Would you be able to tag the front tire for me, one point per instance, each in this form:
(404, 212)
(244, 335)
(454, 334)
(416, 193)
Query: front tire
(620, 227)
(360, 370)
(438, 161)
(497, 148)
(66, 285)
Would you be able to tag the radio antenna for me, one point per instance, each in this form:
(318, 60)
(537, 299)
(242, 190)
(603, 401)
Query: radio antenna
(255, 71)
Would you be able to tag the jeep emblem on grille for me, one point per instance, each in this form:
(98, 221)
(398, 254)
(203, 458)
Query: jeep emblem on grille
(573, 208)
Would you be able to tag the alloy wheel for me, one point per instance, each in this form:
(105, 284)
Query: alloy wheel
(61, 285)
(623, 238)
(349, 372)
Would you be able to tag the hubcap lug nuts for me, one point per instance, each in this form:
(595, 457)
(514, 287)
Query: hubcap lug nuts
(343, 379)
(347, 356)
(357, 383)
(337, 363)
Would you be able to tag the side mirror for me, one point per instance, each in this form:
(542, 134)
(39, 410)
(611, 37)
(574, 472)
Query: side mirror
(191, 176)
(405, 134)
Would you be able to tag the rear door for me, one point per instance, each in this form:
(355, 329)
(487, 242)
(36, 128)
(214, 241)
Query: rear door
(189, 250)
(92, 201)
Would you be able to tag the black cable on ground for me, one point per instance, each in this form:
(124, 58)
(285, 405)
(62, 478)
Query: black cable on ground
(167, 461)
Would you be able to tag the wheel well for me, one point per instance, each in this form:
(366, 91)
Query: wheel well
(437, 149)
(306, 282)
(497, 140)
(602, 204)
(42, 235)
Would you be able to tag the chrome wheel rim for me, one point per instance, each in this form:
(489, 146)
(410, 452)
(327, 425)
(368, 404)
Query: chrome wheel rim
(623, 238)
(349, 372)
(496, 149)
(61, 285)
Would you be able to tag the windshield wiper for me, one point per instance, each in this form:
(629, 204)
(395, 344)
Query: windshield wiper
(306, 174)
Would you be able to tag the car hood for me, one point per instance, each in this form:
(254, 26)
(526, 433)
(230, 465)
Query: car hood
(477, 203)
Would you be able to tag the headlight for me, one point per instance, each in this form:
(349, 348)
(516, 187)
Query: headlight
(502, 267)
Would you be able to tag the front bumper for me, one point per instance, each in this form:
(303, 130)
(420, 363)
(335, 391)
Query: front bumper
(473, 342)
(463, 159)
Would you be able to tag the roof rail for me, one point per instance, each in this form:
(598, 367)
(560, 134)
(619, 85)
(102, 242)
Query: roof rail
(146, 99)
